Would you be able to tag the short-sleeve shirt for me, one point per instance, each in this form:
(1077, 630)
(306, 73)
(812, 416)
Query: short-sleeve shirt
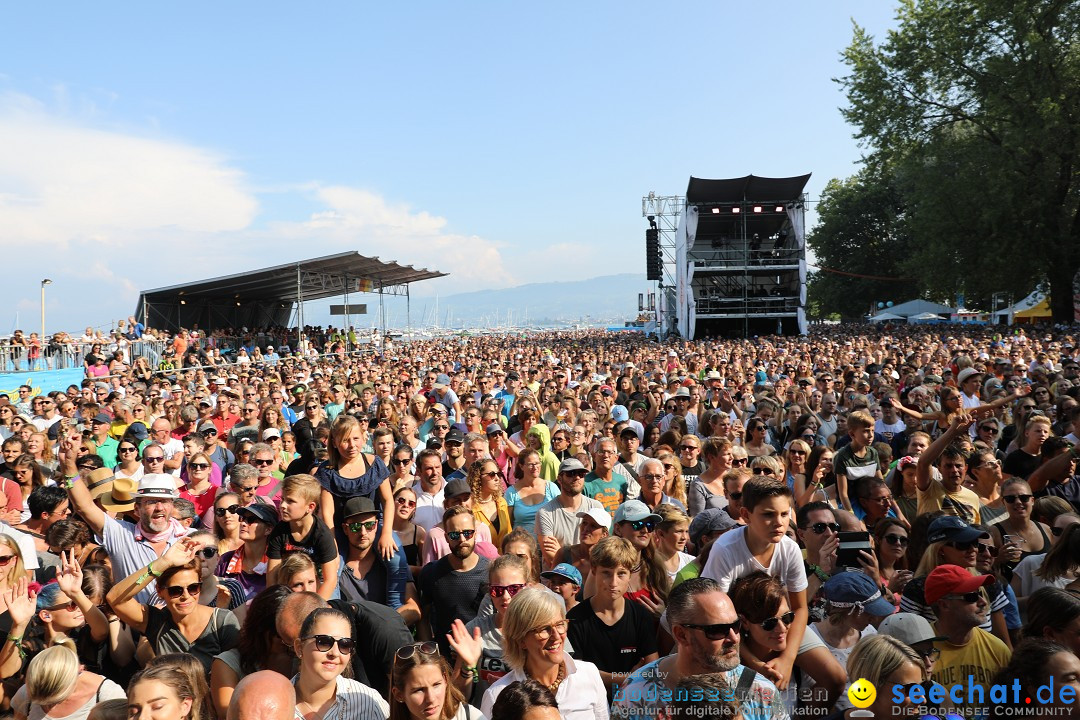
(129, 553)
(963, 503)
(1021, 463)
(855, 468)
(556, 521)
(318, 544)
(614, 648)
(352, 701)
(219, 635)
(731, 559)
(913, 600)
(972, 664)
(611, 494)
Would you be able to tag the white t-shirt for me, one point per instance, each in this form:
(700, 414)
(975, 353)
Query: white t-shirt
(170, 449)
(730, 560)
(26, 545)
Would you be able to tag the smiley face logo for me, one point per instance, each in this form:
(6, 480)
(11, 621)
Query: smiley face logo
(862, 693)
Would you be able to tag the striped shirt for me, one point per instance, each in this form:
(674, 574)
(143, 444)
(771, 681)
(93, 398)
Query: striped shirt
(352, 701)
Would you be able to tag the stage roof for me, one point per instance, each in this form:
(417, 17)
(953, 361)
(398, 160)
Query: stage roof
(323, 277)
(745, 189)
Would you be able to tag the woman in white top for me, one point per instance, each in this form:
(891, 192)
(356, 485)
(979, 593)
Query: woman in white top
(420, 687)
(325, 649)
(55, 687)
(670, 539)
(128, 463)
(534, 633)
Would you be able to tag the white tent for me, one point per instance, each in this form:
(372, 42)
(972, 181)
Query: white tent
(884, 316)
(924, 317)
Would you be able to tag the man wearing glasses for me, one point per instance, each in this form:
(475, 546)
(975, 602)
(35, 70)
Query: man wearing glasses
(706, 629)
(172, 448)
(452, 587)
(364, 575)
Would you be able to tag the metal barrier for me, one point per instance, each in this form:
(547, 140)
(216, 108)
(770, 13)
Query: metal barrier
(64, 356)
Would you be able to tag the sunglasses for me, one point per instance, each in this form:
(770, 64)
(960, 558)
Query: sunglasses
(198, 466)
(70, 606)
(991, 550)
(154, 459)
(6, 559)
(402, 461)
(128, 449)
(1058, 531)
(177, 591)
(368, 525)
(261, 462)
(648, 525)
(893, 539)
(456, 535)
(323, 643)
(821, 527)
(769, 624)
(763, 471)
(739, 462)
(1017, 498)
(209, 433)
(407, 651)
(736, 496)
(688, 448)
(717, 631)
(963, 546)
(970, 597)
(511, 590)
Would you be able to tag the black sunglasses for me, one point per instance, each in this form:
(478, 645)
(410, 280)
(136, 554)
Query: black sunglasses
(820, 527)
(763, 471)
(323, 643)
(456, 535)
(176, 591)
(231, 510)
(769, 624)
(900, 540)
(1013, 498)
(716, 631)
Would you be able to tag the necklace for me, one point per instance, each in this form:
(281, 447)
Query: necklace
(554, 687)
(1020, 538)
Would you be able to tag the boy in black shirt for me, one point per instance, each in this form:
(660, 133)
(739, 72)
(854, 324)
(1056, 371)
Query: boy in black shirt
(606, 630)
(300, 530)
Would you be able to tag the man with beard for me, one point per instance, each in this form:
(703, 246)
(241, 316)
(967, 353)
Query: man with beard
(131, 547)
(454, 586)
(706, 631)
(557, 520)
(364, 575)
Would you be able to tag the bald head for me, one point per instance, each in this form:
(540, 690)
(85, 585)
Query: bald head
(294, 610)
(263, 695)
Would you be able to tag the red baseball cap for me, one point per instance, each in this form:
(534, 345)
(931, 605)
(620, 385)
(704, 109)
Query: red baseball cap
(947, 579)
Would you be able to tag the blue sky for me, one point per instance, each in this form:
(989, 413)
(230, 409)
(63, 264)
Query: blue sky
(144, 145)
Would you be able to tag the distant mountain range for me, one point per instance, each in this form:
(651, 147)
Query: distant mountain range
(604, 299)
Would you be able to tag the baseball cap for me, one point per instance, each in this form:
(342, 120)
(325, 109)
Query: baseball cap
(945, 579)
(136, 430)
(157, 485)
(857, 591)
(570, 464)
(952, 529)
(563, 570)
(442, 381)
(457, 486)
(271, 433)
(359, 505)
(619, 414)
(259, 512)
(493, 429)
(103, 418)
(909, 628)
(932, 380)
(455, 436)
(708, 521)
(633, 511)
(207, 425)
(598, 514)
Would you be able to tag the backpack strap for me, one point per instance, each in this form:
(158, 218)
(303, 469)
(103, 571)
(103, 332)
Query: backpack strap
(746, 681)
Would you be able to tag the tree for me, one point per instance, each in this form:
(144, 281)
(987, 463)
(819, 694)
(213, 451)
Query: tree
(972, 108)
(860, 236)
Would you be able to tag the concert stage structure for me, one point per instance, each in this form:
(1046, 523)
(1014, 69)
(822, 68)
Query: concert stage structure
(737, 255)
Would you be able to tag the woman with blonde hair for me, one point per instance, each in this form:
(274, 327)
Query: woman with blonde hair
(39, 446)
(58, 689)
(670, 538)
(170, 691)
(674, 481)
(534, 636)
(489, 506)
(795, 457)
(707, 490)
(886, 662)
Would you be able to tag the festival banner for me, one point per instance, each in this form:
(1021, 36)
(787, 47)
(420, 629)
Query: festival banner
(42, 381)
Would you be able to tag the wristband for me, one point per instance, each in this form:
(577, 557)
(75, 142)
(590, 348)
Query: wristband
(473, 673)
(17, 640)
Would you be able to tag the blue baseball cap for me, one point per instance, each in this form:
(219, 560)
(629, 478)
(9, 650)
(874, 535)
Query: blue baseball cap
(563, 571)
(634, 510)
(855, 590)
(952, 529)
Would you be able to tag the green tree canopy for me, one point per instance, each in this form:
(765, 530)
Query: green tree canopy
(971, 112)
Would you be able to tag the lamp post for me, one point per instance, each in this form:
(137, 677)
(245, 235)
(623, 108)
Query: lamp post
(44, 282)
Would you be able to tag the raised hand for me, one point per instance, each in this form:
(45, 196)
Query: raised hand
(179, 554)
(70, 575)
(21, 602)
(466, 645)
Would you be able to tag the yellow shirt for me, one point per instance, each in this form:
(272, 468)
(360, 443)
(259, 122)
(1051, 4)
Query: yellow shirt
(936, 498)
(981, 658)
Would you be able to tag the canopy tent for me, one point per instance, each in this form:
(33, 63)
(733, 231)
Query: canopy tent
(1039, 311)
(925, 317)
(268, 297)
(884, 316)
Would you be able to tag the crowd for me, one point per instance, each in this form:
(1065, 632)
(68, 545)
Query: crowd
(575, 524)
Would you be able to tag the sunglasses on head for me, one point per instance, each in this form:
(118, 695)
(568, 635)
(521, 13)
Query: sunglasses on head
(323, 643)
(769, 624)
(716, 631)
(511, 590)
(1015, 498)
(177, 591)
(407, 651)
